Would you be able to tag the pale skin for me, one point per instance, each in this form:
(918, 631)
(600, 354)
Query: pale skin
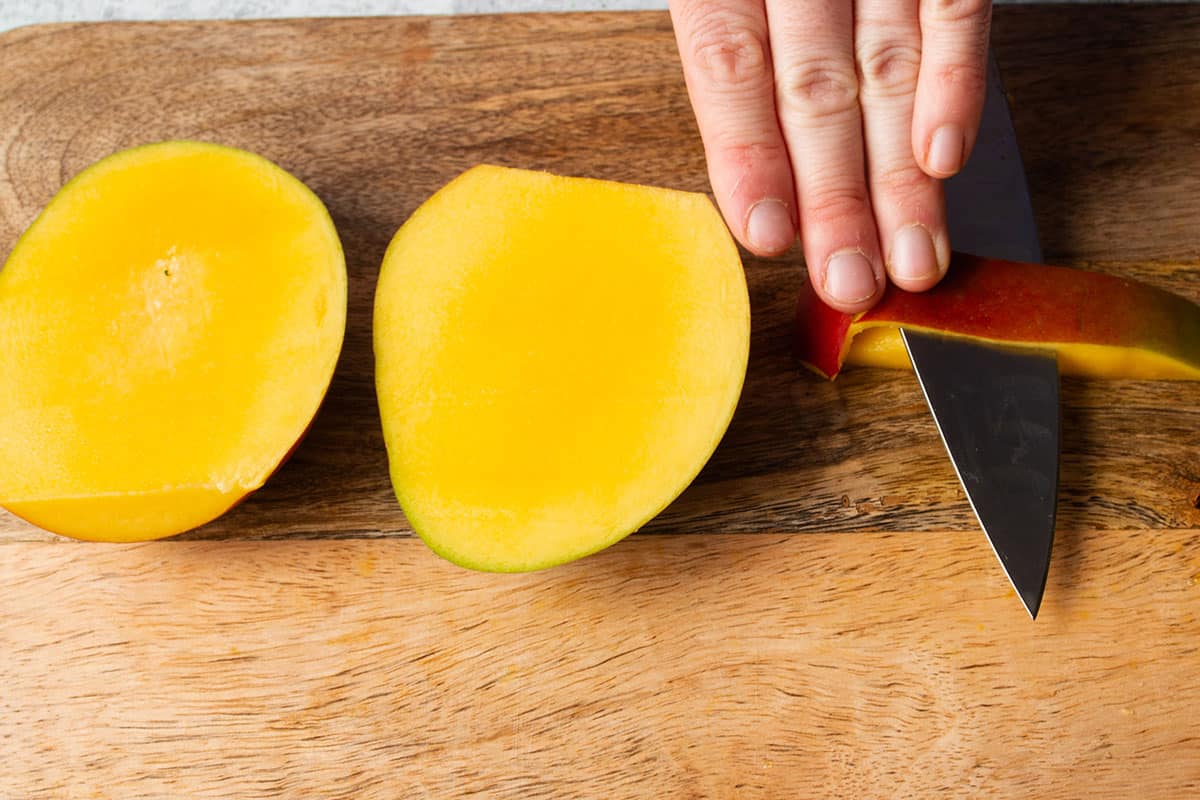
(835, 121)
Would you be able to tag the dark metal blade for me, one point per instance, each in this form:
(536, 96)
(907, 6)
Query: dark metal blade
(997, 410)
(988, 208)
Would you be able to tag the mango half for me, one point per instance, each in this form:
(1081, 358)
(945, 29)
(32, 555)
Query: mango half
(169, 325)
(556, 359)
(1099, 325)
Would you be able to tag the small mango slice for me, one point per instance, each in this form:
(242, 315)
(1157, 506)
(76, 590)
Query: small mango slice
(1099, 325)
(169, 325)
(556, 359)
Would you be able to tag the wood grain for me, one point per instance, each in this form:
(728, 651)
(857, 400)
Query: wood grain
(748, 662)
(721, 666)
(377, 114)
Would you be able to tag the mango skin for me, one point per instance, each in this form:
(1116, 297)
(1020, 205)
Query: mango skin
(1100, 326)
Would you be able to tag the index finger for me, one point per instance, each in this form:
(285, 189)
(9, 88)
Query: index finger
(726, 59)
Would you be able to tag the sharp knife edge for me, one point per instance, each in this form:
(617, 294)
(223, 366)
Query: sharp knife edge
(997, 410)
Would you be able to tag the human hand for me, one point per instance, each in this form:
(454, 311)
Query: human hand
(835, 120)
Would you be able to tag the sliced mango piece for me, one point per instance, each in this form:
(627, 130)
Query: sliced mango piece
(1099, 325)
(556, 359)
(168, 328)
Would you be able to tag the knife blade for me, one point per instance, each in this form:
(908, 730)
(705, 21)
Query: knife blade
(996, 409)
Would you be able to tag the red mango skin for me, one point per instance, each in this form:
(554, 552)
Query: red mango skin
(1016, 303)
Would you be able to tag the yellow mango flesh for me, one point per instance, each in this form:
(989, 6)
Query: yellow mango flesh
(556, 359)
(168, 328)
(881, 346)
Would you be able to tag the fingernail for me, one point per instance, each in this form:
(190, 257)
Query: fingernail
(849, 277)
(769, 227)
(946, 150)
(913, 255)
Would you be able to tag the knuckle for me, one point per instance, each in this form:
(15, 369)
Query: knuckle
(748, 150)
(889, 67)
(818, 88)
(749, 155)
(834, 205)
(903, 182)
(962, 10)
(964, 78)
(726, 49)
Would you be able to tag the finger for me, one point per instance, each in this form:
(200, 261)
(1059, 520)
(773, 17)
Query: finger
(908, 205)
(817, 102)
(726, 63)
(952, 83)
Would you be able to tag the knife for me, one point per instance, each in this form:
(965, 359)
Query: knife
(997, 409)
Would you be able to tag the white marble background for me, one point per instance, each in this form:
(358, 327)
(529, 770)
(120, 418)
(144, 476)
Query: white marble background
(24, 12)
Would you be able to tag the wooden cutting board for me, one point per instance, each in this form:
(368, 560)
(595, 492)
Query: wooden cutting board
(749, 662)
